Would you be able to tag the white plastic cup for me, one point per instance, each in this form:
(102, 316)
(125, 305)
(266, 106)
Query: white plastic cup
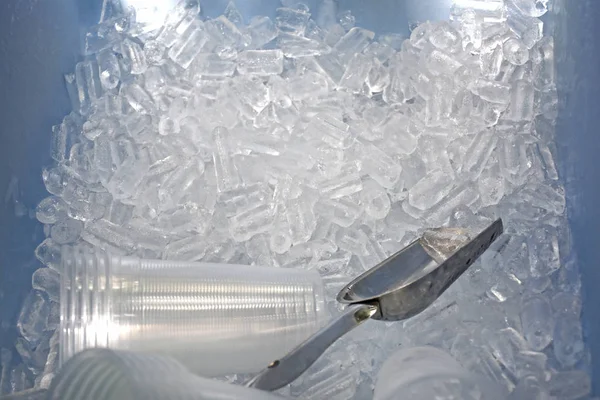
(103, 374)
(213, 318)
(427, 373)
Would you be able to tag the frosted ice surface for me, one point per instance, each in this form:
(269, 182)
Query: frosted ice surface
(304, 140)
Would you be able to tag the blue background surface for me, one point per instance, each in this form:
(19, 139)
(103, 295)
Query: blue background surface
(40, 41)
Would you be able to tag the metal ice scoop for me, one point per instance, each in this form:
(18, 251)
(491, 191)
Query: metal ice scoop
(398, 288)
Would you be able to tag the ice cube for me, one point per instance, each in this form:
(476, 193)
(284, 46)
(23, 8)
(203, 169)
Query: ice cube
(491, 189)
(138, 98)
(66, 231)
(515, 52)
(353, 42)
(260, 62)
(233, 14)
(168, 126)
(376, 200)
(191, 248)
(537, 321)
(33, 317)
(262, 30)
(568, 343)
(51, 210)
(134, 57)
(332, 130)
(110, 71)
(225, 169)
(154, 51)
(291, 20)
(332, 65)
(430, 190)
(280, 239)
(479, 152)
(491, 62)
(48, 252)
(544, 251)
(521, 101)
(441, 63)
(89, 88)
(251, 222)
(119, 213)
(356, 73)
(492, 91)
(344, 184)
(343, 211)
(108, 236)
(47, 280)
(506, 344)
(544, 72)
(189, 44)
(531, 8)
(528, 29)
(346, 19)
(301, 219)
(378, 165)
(294, 46)
(210, 65)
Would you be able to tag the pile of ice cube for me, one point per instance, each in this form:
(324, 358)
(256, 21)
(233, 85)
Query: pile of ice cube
(308, 142)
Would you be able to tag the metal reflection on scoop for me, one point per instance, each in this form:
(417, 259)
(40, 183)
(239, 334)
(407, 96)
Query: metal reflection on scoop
(400, 287)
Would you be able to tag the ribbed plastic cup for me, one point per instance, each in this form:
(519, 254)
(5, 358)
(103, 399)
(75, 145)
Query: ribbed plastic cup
(213, 318)
(103, 374)
(427, 373)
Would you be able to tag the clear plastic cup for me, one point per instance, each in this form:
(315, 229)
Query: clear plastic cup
(103, 374)
(427, 373)
(213, 318)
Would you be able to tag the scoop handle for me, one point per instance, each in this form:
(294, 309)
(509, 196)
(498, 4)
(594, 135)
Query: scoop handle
(284, 371)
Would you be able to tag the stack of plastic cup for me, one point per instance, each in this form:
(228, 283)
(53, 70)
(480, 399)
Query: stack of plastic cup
(213, 318)
(427, 373)
(103, 374)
